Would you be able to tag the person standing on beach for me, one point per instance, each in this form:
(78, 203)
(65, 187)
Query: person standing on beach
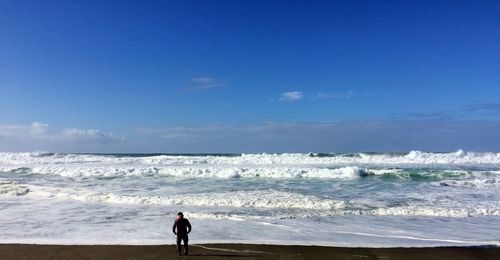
(181, 228)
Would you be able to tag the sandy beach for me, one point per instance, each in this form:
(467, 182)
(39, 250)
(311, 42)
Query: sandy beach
(238, 251)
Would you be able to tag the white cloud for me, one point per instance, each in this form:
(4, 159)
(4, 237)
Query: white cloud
(203, 83)
(291, 96)
(35, 130)
(87, 135)
(38, 129)
(40, 132)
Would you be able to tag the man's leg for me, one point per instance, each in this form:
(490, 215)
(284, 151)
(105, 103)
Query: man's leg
(186, 247)
(179, 238)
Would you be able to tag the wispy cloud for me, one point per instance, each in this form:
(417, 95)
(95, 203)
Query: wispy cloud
(203, 83)
(40, 132)
(291, 96)
(203, 131)
(297, 95)
(343, 136)
(334, 95)
(486, 107)
(428, 115)
(470, 111)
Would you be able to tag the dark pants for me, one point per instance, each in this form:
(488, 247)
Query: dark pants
(185, 239)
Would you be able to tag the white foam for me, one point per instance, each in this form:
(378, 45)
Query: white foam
(428, 211)
(294, 205)
(13, 189)
(412, 158)
(236, 199)
(474, 183)
(384, 171)
(79, 171)
(247, 165)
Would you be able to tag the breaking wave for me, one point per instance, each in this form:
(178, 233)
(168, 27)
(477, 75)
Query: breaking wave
(258, 171)
(284, 172)
(414, 157)
(236, 199)
(269, 203)
(326, 166)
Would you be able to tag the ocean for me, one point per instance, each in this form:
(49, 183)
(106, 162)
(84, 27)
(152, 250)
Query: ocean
(356, 199)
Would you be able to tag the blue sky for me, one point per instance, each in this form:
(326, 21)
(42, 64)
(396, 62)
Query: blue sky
(227, 76)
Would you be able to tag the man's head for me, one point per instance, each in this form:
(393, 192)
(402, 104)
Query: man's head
(179, 215)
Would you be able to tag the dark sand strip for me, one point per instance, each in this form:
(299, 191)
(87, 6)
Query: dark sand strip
(240, 251)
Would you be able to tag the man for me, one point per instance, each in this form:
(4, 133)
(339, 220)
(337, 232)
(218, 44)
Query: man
(181, 228)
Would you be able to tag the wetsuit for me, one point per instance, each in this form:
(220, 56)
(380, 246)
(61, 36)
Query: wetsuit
(181, 228)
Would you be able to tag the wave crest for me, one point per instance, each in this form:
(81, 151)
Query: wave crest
(459, 157)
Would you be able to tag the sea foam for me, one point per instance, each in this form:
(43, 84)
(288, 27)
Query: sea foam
(356, 199)
(412, 158)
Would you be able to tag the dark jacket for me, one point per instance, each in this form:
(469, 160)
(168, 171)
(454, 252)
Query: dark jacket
(181, 227)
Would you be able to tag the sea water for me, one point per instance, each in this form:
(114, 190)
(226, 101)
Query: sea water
(358, 199)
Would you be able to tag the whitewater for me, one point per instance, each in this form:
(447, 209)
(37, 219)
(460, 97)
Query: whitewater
(356, 199)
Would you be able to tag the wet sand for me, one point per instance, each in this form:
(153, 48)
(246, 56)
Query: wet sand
(239, 251)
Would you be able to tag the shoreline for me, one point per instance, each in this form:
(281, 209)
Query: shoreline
(239, 251)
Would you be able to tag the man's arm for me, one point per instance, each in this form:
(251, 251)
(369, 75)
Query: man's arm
(188, 226)
(173, 228)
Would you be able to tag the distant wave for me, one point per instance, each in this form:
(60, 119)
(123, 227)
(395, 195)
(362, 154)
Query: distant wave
(412, 158)
(191, 172)
(486, 177)
(338, 166)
